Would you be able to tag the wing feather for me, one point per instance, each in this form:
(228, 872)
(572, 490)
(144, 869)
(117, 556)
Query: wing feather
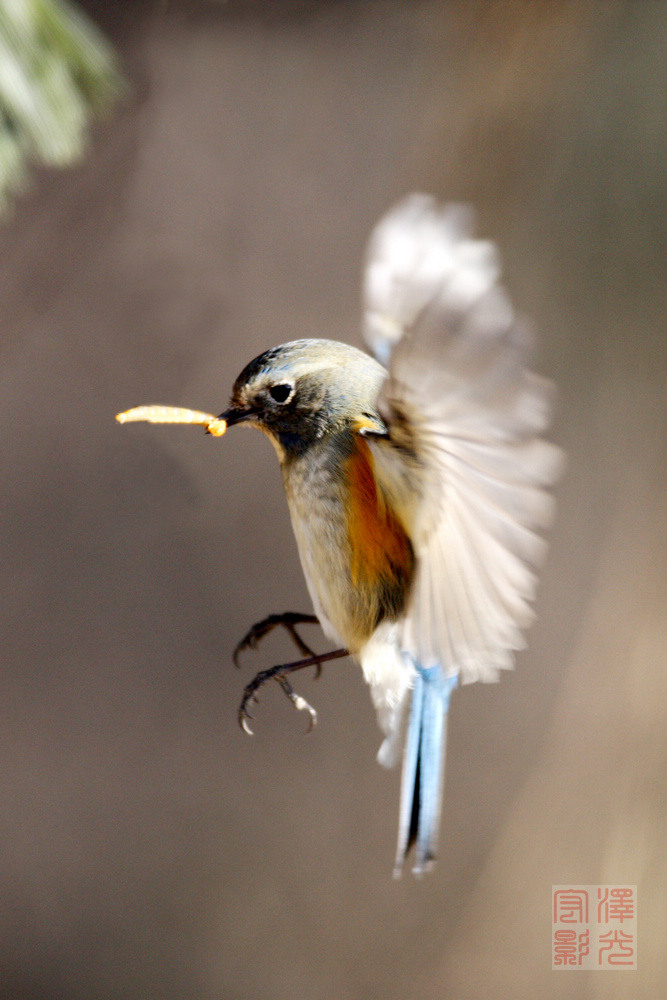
(466, 414)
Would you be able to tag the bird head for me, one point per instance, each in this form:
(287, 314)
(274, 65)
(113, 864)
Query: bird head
(301, 391)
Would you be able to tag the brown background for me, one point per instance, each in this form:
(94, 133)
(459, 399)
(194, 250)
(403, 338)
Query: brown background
(149, 849)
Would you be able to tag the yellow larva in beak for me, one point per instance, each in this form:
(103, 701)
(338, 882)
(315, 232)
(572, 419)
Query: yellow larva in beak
(174, 415)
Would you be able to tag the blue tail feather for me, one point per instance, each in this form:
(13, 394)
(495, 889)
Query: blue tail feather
(423, 767)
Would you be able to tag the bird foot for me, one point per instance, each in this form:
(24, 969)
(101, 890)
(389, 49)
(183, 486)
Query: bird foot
(288, 620)
(279, 674)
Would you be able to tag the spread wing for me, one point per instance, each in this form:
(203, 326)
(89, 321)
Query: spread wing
(466, 415)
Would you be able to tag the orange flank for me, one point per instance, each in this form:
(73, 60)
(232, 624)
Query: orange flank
(381, 551)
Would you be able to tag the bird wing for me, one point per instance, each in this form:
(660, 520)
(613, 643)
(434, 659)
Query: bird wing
(465, 418)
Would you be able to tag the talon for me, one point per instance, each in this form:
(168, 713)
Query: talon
(298, 702)
(244, 716)
(248, 641)
(260, 630)
(278, 674)
(243, 722)
(302, 705)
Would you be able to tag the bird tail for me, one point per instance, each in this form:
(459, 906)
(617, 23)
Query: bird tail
(424, 768)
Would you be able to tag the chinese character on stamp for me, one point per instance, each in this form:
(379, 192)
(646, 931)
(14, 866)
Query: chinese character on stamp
(594, 927)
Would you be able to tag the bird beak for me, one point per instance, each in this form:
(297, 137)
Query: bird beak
(233, 415)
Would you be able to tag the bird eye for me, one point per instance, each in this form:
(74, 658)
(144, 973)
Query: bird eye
(280, 393)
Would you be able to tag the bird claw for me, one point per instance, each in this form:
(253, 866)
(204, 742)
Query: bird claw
(299, 703)
(288, 621)
(279, 674)
(302, 705)
(245, 643)
(249, 641)
(244, 715)
(243, 722)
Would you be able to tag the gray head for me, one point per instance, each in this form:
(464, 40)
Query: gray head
(303, 390)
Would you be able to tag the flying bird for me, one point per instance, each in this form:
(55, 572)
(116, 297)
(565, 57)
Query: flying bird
(417, 483)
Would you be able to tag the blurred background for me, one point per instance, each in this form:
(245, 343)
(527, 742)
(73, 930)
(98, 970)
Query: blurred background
(226, 164)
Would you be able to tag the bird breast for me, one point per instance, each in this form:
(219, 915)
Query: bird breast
(356, 556)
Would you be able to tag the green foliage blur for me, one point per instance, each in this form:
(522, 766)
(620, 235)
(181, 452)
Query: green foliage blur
(56, 72)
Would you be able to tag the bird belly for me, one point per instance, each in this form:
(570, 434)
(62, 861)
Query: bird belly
(356, 557)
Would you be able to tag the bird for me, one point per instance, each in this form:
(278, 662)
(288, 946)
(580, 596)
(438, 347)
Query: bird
(418, 481)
